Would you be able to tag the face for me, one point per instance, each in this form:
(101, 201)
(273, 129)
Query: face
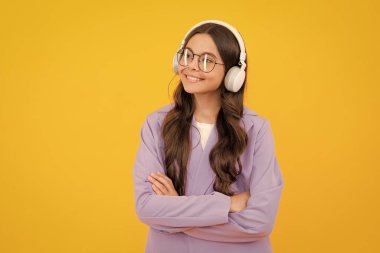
(209, 82)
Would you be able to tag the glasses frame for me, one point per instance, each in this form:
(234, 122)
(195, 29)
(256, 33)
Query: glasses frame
(183, 49)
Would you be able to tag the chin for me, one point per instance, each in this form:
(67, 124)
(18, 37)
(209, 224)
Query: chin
(190, 89)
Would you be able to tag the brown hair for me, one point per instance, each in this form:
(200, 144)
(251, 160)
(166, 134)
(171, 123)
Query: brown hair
(232, 137)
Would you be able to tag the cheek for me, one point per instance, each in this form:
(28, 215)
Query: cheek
(180, 74)
(180, 67)
(218, 77)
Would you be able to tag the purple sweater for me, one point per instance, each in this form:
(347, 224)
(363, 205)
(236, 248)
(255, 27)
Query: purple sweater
(200, 222)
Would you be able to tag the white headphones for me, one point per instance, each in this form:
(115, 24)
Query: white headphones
(235, 76)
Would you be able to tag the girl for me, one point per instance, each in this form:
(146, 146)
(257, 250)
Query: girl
(206, 176)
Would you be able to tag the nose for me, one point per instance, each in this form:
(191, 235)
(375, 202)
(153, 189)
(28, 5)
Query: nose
(194, 63)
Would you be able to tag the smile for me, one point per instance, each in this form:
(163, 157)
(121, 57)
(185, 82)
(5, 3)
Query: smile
(193, 79)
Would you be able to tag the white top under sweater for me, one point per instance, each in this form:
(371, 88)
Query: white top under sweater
(205, 130)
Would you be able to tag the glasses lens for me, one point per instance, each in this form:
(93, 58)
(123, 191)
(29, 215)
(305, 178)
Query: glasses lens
(184, 57)
(206, 62)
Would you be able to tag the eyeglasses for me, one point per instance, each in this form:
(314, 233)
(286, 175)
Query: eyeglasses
(206, 62)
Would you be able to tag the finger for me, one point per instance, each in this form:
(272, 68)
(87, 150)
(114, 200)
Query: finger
(163, 175)
(167, 182)
(155, 180)
(154, 189)
(158, 184)
(157, 190)
(164, 180)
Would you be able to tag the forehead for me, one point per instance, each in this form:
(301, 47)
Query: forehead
(202, 43)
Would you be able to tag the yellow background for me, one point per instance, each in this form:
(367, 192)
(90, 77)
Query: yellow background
(77, 79)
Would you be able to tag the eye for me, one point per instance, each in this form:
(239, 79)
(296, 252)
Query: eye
(209, 58)
(188, 53)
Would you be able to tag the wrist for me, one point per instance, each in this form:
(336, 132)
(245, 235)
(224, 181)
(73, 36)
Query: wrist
(231, 204)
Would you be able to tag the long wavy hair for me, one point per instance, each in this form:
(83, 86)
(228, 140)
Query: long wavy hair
(232, 138)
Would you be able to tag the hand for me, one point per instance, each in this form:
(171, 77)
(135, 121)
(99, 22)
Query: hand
(239, 201)
(161, 184)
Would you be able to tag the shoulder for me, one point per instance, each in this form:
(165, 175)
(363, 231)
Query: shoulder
(156, 117)
(253, 121)
(160, 113)
(151, 127)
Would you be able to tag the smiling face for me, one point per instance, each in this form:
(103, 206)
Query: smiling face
(209, 82)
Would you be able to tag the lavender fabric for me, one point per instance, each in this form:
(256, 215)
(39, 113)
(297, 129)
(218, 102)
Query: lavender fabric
(200, 222)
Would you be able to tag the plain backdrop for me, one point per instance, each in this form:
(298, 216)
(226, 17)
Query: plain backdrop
(78, 78)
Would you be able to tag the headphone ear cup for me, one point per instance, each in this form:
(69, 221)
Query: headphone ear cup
(175, 64)
(234, 79)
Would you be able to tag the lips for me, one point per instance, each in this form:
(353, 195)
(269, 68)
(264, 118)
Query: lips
(192, 78)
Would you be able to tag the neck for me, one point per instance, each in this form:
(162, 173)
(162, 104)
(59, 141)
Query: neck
(207, 107)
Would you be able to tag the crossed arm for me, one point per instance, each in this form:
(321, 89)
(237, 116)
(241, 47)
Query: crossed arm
(208, 216)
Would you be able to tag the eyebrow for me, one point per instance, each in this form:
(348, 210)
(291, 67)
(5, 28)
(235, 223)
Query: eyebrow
(203, 52)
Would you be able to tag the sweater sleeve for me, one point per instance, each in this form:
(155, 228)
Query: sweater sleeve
(170, 213)
(257, 219)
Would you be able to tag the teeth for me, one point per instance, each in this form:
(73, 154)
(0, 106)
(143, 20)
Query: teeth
(193, 78)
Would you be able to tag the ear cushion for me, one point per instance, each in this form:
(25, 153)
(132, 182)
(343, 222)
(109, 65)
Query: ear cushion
(175, 64)
(234, 79)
